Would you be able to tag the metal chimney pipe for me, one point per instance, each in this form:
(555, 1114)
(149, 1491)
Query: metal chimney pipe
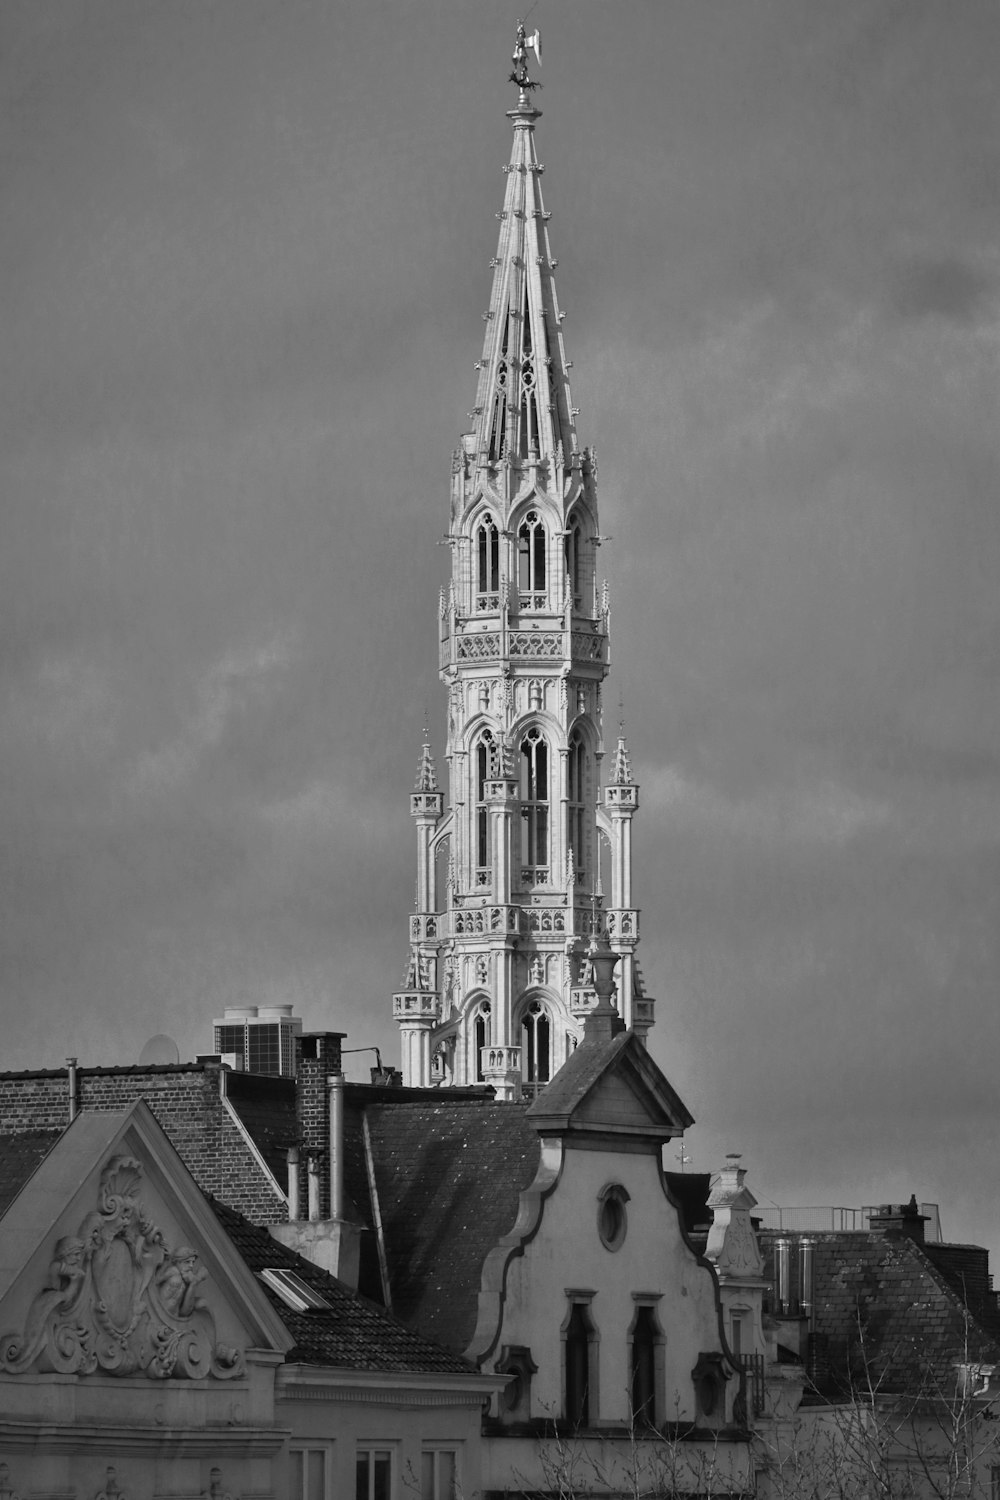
(74, 1100)
(335, 1087)
(782, 1256)
(293, 1183)
(806, 1279)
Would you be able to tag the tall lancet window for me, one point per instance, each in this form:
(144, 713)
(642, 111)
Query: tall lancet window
(536, 1046)
(531, 561)
(488, 565)
(574, 561)
(483, 770)
(482, 1037)
(576, 789)
(534, 791)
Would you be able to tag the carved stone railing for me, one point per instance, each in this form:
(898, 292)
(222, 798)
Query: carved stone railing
(499, 1060)
(536, 645)
(622, 924)
(482, 920)
(416, 1005)
(481, 646)
(589, 647)
(426, 926)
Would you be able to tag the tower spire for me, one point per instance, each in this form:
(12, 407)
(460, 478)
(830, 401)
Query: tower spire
(500, 988)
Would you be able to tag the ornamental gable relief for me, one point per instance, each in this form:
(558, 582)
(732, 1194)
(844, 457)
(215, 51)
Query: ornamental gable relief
(119, 1287)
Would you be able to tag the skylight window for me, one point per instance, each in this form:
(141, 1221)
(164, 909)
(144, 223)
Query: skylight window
(292, 1290)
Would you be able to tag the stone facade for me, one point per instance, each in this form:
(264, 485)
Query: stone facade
(510, 882)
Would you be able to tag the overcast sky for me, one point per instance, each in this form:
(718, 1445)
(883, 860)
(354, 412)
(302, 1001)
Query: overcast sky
(245, 252)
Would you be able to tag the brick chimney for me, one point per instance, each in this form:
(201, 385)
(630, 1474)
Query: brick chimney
(900, 1219)
(322, 1233)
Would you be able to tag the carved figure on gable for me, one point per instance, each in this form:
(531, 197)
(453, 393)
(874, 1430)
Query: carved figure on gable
(118, 1299)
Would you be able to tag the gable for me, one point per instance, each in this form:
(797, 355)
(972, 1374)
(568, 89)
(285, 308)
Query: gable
(614, 1103)
(612, 1087)
(113, 1263)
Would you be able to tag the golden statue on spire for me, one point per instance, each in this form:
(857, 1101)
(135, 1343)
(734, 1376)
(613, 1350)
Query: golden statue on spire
(520, 59)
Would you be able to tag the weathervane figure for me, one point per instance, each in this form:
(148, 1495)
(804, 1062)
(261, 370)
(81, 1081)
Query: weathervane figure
(520, 60)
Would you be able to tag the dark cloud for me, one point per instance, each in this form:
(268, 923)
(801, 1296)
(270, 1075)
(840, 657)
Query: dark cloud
(946, 288)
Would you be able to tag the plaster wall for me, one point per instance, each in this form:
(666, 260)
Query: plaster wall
(653, 1261)
(405, 1422)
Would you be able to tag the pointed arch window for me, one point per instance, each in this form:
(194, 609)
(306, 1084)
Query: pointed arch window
(534, 790)
(580, 1362)
(483, 771)
(576, 801)
(482, 1035)
(646, 1361)
(488, 565)
(531, 561)
(536, 1047)
(573, 542)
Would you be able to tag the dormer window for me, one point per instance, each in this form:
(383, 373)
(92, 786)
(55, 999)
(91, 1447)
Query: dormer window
(488, 566)
(531, 562)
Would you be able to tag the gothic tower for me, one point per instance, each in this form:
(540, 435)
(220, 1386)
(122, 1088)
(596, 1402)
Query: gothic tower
(531, 857)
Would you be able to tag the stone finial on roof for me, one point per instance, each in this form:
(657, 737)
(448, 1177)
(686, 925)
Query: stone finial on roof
(426, 775)
(621, 770)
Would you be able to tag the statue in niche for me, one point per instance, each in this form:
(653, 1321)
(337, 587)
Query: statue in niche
(119, 1300)
(482, 969)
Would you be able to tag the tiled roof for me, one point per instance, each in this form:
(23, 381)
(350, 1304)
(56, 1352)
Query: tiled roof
(449, 1177)
(20, 1154)
(353, 1333)
(882, 1306)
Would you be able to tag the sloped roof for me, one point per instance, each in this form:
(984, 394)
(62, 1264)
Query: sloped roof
(449, 1176)
(352, 1333)
(881, 1306)
(20, 1154)
(574, 1095)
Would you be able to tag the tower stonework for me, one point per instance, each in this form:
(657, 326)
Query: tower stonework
(510, 886)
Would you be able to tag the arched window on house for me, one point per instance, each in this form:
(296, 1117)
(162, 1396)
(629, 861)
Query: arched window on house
(576, 801)
(483, 771)
(573, 543)
(580, 1367)
(531, 561)
(481, 1031)
(488, 565)
(646, 1340)
(534, 793)
(536, 1047)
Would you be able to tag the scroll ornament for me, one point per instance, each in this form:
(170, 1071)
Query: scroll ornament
(118, 1299)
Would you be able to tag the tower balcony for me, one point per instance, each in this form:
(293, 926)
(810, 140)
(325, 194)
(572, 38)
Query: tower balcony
(425, 926)
(486, 921)
(416, 1005)
(622, 924)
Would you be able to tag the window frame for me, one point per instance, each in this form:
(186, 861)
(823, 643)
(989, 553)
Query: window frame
(647, 1303)
(580, 1312)
(368, 1451)
(433, 1451)
(299, 1486)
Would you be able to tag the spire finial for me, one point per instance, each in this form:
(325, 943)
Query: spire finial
(519, 58)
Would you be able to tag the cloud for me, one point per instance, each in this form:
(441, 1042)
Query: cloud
(235, 680)
(807, 814)
(943, 287)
